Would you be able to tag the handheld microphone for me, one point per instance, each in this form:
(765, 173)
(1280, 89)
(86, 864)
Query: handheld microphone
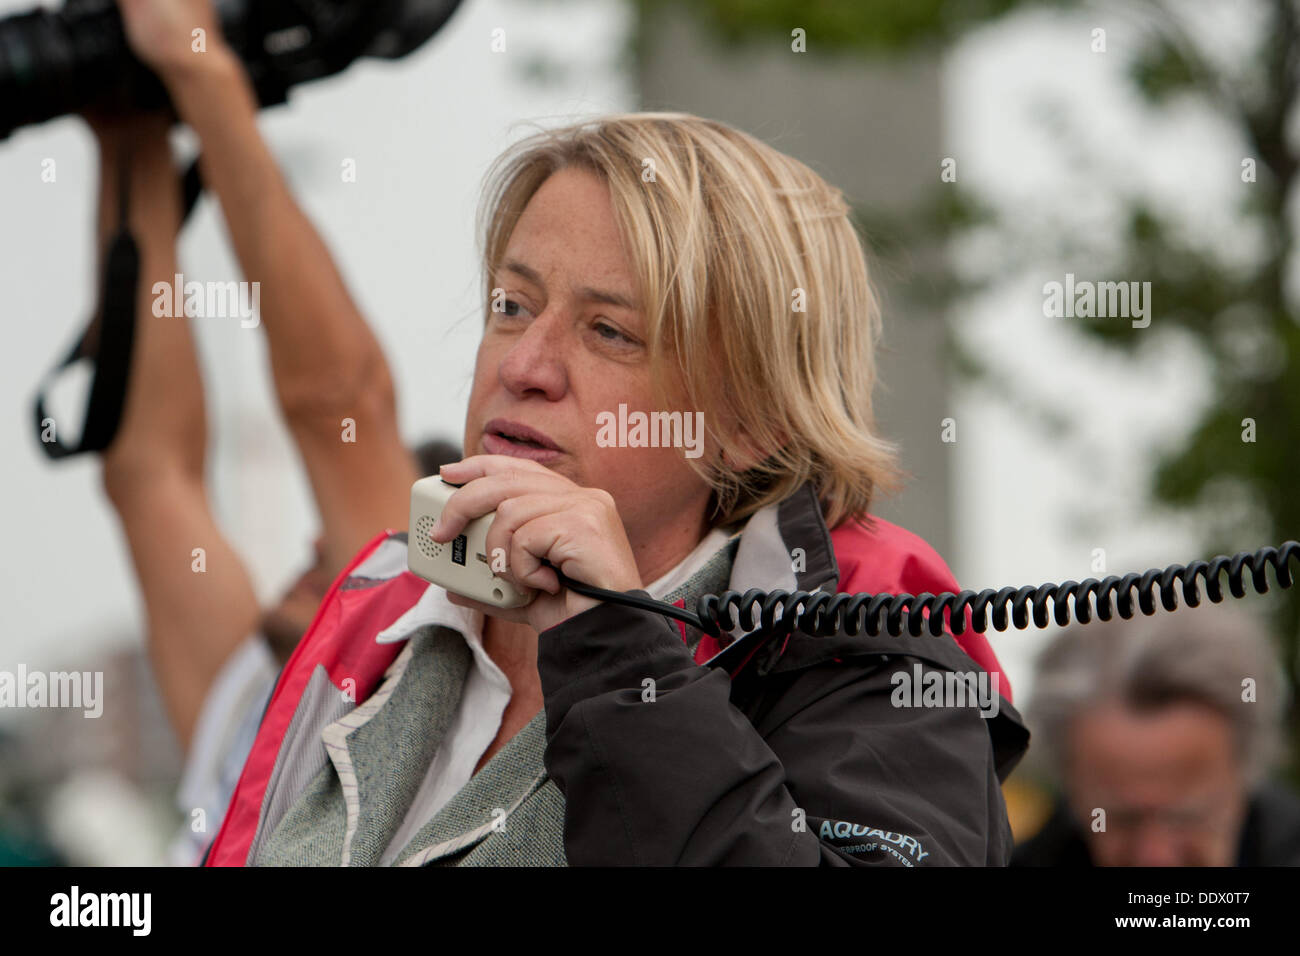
(462, 565)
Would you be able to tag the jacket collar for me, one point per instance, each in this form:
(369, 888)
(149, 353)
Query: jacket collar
(381, 749)
(787, 545)
(485, 803)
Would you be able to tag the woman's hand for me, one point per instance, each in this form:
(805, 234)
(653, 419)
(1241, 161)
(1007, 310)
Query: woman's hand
(541, 516)
(162, 34)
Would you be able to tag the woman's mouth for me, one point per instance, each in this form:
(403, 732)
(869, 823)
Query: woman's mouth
(502, 437)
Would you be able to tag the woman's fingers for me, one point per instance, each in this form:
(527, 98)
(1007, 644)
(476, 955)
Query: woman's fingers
(543, 522)
(479, 466)
(522, 566)
(485, 494)
(582, 543)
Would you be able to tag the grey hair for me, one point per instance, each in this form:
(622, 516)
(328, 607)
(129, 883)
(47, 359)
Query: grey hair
(1203, 655)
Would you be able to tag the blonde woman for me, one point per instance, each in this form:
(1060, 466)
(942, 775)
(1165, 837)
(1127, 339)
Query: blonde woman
(645, 268)
(573, 731)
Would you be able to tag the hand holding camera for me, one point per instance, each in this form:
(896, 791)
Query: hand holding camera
(126, 55)
(171, 36)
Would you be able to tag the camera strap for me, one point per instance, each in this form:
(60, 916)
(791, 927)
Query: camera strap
(108, 346)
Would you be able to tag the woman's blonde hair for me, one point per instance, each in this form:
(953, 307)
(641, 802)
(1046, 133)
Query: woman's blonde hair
(754, 287)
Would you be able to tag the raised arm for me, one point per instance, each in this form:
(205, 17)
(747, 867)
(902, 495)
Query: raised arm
(326, 363)
(198, 604)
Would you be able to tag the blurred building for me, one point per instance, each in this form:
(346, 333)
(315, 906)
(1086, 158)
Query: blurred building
(872, 128)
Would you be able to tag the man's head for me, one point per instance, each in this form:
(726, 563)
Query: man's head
(1158, 729)
(284, 625)
(671, 264)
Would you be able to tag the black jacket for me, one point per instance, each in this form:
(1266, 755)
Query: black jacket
(802, 759)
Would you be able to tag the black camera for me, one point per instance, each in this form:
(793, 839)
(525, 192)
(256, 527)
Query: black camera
(54, 62)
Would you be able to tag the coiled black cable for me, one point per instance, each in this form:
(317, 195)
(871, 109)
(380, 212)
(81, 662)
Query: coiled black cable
(820, 614)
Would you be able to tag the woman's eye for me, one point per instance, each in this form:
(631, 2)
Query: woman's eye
(504, 310)
(611, 334)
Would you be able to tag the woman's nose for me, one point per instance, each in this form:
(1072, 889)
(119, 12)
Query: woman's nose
(535, 362)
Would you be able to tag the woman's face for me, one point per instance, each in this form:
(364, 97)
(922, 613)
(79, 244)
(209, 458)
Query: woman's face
(569, 345)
